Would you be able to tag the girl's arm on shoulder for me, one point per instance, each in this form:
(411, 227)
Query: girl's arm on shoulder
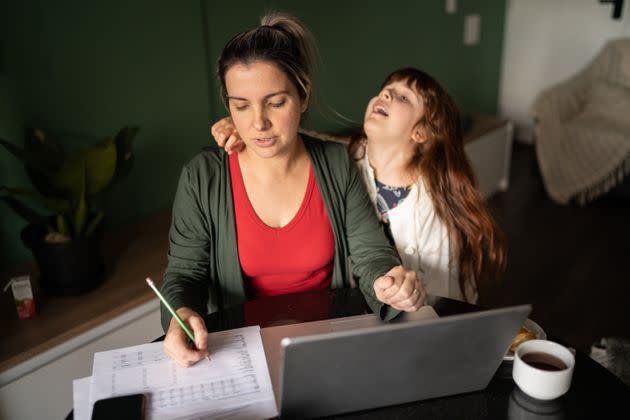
(226, 136)
(338, 138)
(355, 142)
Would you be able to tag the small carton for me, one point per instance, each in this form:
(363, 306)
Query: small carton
(23, 296)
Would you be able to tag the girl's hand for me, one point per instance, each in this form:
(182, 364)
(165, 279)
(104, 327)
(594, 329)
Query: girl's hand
(400, 289)
(226, 136)
(176, 343)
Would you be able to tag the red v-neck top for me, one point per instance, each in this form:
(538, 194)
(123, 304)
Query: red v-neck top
(297, 257)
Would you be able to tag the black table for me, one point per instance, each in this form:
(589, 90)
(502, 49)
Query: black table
(595, 392)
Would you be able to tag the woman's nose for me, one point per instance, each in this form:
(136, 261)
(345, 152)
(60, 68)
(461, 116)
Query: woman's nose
(385, 94)
(261, 122)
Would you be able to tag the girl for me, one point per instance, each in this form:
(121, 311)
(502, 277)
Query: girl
(239, 221)
(412, 160)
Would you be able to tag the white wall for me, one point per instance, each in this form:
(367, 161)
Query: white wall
(547, 41)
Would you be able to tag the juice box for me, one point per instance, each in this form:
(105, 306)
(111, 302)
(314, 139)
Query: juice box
(23, 296)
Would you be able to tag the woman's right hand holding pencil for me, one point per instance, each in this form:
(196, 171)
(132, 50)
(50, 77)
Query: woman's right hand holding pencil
(178, 346)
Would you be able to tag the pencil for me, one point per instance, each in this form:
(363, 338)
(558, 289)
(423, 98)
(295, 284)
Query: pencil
(172, 311)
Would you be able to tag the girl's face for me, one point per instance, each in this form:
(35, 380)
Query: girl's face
(265, 107)
(394, 114)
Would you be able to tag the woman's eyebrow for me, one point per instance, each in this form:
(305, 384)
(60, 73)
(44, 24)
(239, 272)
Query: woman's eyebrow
(280, 92)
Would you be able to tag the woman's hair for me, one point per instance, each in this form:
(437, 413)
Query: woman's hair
(282, 40)
(446, 172)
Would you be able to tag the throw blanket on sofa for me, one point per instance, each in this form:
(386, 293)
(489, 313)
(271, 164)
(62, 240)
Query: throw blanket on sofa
(583, 128)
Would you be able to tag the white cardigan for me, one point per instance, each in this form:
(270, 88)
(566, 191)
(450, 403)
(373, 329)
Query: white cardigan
(422, 239)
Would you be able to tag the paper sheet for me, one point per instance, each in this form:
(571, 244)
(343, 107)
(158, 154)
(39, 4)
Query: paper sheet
(235, 382)
(81, 399)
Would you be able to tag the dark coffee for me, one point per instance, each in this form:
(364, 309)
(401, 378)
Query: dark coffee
(544, 361)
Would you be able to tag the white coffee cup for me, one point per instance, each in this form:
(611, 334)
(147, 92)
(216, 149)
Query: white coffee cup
(543, 369)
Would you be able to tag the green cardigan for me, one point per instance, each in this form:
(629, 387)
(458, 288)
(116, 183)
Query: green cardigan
(203, 270)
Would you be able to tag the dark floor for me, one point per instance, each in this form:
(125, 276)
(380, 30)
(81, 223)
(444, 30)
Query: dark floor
(571, 263)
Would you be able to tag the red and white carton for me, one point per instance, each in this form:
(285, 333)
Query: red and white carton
(23, 296)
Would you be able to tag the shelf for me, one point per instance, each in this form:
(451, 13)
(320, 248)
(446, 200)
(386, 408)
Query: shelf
(482, 125)
(138, 251)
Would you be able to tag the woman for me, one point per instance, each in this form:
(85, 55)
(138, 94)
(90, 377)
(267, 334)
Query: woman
(281, 216)
(412, 159)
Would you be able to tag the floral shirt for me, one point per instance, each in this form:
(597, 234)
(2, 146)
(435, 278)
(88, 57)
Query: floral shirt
(388, 197)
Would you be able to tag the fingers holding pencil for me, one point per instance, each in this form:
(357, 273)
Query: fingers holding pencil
(181, 344)
(177, 343)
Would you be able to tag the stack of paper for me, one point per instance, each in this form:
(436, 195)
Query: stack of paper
(235, 382)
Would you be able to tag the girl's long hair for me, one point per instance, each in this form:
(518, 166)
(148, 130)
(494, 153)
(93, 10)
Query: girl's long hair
(441, 162)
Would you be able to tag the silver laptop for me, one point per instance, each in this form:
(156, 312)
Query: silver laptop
(356, 363)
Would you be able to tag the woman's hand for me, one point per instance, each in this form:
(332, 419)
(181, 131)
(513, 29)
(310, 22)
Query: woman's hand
(176, 343)
(400, 289)
(226, 136)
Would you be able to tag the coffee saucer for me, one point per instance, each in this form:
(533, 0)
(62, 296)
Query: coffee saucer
(533, 327)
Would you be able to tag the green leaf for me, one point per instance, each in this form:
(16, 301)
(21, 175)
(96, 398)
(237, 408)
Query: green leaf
(42, 153)
(33, 156)
(13, 149)
(100, 165)
(42, 158)
(23, 210)
(51, 203)
(42, 183)
(66, 182)
(96, 220)
(62, 225)
(81, 210)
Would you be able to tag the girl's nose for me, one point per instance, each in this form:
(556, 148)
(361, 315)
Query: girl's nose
(385, 94)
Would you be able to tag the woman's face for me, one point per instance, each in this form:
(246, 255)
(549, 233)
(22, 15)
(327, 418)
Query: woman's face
(393, 115)
(265, 107)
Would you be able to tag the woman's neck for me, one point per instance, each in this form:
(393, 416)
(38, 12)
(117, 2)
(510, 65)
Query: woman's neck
(390, 163)
(277, 167)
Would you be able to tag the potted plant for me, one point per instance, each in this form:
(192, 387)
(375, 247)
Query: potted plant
(66, 241)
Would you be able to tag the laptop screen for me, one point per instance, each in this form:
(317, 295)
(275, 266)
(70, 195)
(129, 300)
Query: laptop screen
(357, 363)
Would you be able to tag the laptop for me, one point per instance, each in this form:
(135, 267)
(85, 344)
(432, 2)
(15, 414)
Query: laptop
(357, 363)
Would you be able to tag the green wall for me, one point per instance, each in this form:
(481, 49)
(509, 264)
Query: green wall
(361, 42)
(10, 171)
(92, 67)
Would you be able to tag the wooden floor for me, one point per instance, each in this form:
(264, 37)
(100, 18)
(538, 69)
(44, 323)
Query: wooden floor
(571, 263)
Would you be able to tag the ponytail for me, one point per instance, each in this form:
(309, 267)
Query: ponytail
(282, 40)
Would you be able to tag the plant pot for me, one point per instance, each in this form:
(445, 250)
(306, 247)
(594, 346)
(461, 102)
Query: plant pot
(66, 269)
